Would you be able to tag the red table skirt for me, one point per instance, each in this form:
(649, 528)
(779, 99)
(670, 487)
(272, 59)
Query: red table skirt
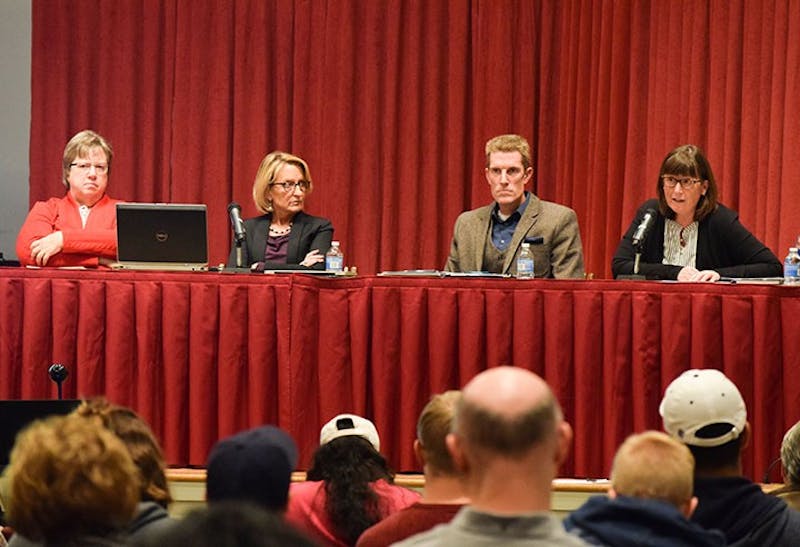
(203, 355)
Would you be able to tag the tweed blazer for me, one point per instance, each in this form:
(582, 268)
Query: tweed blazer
(560, 255)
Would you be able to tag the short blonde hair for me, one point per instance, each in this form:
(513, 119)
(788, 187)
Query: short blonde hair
(268, 170)
(509, 143)
(653, 465)
(79, 146)
(70, 477)
(433, 425)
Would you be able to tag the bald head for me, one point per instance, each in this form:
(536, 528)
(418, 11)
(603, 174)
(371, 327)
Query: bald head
(507, 410)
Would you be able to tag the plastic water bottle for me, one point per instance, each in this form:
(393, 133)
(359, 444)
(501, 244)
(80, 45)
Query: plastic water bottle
(525, 262)
(334, 258)
(791, 275)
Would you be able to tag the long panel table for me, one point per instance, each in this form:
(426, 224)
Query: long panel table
(203, 355)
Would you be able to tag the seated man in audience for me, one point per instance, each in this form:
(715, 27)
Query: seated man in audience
(254, 466)
(490, 238)
(650, 499)
(509, 439)
(790, 466)
(444, 494)
(703, 409)
(72, 482)
(79, 229)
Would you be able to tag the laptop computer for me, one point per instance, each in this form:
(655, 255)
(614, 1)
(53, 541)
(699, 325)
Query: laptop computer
(16, 415)
(161, 236)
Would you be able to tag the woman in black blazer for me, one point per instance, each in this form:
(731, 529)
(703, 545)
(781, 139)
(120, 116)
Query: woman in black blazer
(692, 236)
(284, 237)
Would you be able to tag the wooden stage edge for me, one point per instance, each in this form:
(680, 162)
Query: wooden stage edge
(188, 487)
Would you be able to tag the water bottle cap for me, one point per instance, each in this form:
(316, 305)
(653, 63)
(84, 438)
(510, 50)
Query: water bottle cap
(792, 249)
(526, 245)
(335, 243)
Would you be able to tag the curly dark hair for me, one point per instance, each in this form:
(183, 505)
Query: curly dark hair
(348, 465)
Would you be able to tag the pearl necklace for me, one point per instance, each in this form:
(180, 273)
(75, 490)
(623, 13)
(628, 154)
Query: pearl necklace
(277, 232)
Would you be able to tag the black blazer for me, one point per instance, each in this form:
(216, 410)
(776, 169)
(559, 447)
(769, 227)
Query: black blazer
(723, 245)
(308, 233)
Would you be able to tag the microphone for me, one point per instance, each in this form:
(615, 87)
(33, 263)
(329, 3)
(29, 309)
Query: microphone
(641, 231)
(235, 213)
(58, 373)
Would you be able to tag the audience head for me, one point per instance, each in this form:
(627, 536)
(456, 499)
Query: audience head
(688, 161)
(264, 192)
(433, 426)
(70, 477)
(703, 409)
(348, 460)
(345, 425)
(509, 143)
(140, 442)
(254, 466)
(653, 465)
(509, 414)
(229, 524)
(790, 456)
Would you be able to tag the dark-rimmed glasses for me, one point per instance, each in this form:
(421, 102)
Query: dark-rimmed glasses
(671, 181)
(289, 186)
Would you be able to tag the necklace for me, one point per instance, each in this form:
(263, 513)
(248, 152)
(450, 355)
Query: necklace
(277, 232)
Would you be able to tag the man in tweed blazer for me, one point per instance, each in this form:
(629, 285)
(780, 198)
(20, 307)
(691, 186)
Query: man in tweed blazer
(490, 238)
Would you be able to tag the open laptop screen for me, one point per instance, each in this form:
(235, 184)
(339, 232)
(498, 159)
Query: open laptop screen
(162, 236)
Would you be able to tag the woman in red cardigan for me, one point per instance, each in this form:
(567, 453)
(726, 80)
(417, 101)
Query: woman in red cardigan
(79, 229)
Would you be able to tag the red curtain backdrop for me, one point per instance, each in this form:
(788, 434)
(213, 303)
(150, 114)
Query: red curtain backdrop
(391, 104)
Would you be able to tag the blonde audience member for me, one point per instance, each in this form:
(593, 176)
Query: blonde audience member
(650, 499)
(444, 493)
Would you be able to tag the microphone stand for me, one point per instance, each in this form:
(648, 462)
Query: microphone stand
(238, 252)
(636, 276)
(58, 373)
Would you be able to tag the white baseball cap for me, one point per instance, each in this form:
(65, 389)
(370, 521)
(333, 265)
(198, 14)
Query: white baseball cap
(350, 424)
(699, 398)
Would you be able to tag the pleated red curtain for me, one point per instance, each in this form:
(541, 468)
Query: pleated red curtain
(391, 103)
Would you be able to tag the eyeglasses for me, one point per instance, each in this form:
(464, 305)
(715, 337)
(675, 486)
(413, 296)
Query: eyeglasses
(512, 174)
(289, 185)
(685, 182)
(99, 168)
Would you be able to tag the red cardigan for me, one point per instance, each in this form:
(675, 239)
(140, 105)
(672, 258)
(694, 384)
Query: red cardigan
(82, 246)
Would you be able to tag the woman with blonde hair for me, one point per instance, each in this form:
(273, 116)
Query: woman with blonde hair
(285, 236)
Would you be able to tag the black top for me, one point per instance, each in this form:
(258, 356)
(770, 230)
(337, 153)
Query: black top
(723, 245)
(308, 233)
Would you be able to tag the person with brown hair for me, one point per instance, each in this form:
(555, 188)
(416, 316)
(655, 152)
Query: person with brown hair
(692, 237)
(650, 499)
(135, 433)
(349, 486)
(79, 229)
(71, 483)
(443, 495)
